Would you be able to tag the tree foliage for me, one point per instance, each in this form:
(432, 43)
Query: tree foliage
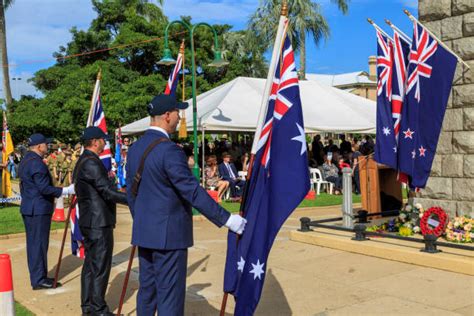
(131, 75)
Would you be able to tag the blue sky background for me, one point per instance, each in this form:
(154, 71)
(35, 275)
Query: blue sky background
(36, 28)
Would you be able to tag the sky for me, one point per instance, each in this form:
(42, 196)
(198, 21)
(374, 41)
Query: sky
(36, 29)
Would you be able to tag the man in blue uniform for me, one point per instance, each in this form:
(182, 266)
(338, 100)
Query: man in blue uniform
(162, 214)
(37, 205)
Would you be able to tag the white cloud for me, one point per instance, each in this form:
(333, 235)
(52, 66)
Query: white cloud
(36, 29)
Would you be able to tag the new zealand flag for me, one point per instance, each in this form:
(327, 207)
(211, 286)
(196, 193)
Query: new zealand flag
(278, 183)
(430, 75)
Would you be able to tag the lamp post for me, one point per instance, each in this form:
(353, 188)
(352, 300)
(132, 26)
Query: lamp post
(217, 62)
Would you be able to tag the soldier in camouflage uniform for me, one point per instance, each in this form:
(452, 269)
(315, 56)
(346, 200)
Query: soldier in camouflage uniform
(52, 163)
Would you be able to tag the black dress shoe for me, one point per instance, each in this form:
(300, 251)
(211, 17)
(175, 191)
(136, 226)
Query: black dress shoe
(46, 284)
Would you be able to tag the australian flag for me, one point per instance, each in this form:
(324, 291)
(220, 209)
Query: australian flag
(278, 183)
(430, 75)
(172, 83)
(386, 145)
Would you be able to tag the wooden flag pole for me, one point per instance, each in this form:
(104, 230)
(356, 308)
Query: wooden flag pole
(125, 281)
(279, 41)
(379, 29)
(58, 266)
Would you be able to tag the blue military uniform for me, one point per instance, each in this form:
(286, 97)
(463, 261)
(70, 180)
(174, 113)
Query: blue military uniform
(37, 205)
(163, 223)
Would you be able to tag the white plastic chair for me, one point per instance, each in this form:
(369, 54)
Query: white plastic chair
(317, 180)
(242, 175)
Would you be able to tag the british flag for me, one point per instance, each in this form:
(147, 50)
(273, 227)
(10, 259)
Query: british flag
(172, 83)
(77, 241)
(97, 118)
(430, 75)
(278, 183)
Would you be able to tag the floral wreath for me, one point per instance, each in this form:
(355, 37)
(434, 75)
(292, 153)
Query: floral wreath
(438, 230)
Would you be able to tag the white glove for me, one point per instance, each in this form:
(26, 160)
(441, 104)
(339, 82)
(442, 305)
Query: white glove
(69, 190)
(236, 223)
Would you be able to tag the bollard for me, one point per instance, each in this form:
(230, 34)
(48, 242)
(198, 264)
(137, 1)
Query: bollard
(362, 217)
(359, 233)
(305, 224)
(347, 220)
(430, 244)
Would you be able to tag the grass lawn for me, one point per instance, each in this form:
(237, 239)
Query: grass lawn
(21, 310)
(323, 199)
(11, 221)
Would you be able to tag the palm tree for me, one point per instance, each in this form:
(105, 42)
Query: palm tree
(4, 4)
(305, 17)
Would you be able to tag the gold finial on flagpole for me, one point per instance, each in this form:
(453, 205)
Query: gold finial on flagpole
(370, 21)
(181, 48)
(388, 22)
(284, 8)
(99, 74)
(407, 12)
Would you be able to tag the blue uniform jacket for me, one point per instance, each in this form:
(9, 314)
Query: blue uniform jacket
(162, 210)
(36, 186)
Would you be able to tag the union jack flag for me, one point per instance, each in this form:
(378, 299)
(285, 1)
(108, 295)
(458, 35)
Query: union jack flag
(77, 241)
(172, 83)
(97, 118)
(384, 65)
(423, 47)
(286, 78)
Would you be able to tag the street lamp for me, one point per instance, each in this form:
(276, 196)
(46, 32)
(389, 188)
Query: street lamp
(217, 62)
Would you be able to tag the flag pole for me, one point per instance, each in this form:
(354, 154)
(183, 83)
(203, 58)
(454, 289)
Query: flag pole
(379, 29)
(94, 95)
(400, 32)
(279, 40)
(125, 281)
(58, 266)
(182, 133)
(436, 38)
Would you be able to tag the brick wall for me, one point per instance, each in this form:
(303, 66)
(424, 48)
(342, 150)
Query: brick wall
(451, 185)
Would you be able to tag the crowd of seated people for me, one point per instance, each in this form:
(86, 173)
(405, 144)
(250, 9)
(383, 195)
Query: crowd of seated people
(331, 158)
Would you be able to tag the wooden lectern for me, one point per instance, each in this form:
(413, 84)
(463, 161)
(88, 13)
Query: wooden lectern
(374, 179)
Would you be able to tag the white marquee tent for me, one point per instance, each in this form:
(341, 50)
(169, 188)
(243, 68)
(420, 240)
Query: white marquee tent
(234, 106)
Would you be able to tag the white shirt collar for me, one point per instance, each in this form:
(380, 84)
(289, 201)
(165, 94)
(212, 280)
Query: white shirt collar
(159, 129)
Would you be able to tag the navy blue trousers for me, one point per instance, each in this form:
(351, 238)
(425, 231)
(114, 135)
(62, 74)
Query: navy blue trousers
(162, 282)
(37, 229)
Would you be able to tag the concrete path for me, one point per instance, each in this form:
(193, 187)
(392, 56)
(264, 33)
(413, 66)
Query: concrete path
(301, 279)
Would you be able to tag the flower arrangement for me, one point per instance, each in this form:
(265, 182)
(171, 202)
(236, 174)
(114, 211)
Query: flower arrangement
(460, 229)
(409, 218)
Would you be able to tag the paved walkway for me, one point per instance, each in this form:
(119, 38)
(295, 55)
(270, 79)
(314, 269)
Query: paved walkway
(301, 279)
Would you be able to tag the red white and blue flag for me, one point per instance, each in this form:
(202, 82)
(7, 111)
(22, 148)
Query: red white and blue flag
(429, 79)
(97, 118)
(386, 145)
(172, 83)
(278, 183)
(392, 61)
(77, 241)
